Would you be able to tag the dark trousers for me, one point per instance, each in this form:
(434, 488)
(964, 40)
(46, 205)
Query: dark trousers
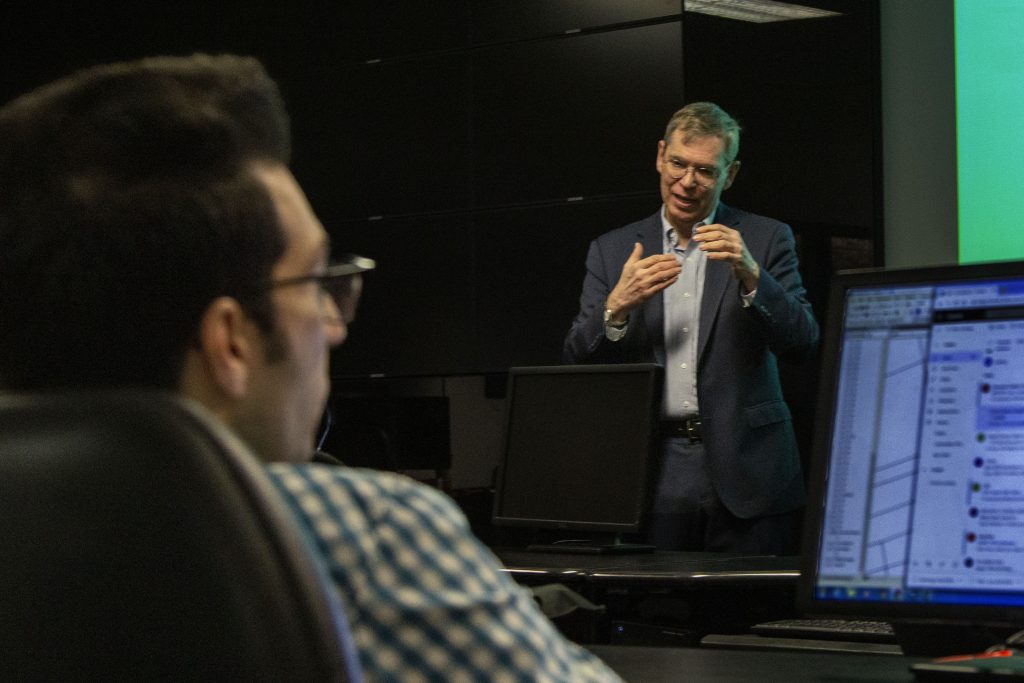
(687, 514)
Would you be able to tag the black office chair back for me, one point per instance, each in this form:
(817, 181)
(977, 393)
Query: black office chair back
(141, 540)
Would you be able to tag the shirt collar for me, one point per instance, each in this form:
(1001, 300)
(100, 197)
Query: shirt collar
(667, 229)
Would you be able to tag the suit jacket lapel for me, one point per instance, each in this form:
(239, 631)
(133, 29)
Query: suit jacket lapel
(649, 235)
(717, 276)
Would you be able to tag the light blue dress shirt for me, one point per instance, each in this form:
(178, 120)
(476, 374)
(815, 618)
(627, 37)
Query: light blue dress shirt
(681, 302)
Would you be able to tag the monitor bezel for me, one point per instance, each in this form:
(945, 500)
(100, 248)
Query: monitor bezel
(894, 611)
(654, 373)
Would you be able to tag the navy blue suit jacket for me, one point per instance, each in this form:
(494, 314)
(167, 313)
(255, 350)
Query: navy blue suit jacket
(746, 424)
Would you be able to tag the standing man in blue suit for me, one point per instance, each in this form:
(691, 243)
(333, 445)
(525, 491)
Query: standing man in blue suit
(714, 294)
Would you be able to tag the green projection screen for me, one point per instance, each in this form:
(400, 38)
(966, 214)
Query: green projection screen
(990, 128)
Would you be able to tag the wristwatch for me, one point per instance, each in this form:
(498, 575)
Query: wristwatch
(608, 320)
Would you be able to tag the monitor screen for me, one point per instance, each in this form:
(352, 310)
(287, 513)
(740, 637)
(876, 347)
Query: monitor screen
(917, 491)
(577, 447)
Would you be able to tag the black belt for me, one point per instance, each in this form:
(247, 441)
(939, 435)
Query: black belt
(688, 427)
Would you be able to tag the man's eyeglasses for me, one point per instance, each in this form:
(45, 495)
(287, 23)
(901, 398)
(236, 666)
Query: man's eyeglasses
(704, 176)
(340, 281)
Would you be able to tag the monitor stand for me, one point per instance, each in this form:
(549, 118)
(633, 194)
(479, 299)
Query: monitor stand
(592, 546)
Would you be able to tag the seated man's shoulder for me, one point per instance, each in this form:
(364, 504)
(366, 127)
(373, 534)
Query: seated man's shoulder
(360, 481)
(375, 493)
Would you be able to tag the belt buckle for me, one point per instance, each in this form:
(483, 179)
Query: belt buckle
(693, 430)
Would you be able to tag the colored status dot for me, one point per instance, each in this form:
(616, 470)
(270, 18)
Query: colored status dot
(968, 562)
(978, 462)
(973, 512)
(981, 437)
(988, 362)
(986, 388)
(971, 537)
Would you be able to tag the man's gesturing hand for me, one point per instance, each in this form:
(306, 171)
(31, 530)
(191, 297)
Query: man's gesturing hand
(641, 278)
(721, 243)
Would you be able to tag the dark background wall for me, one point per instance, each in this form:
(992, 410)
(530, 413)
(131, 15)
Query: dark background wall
(488, 157)
(475, 147)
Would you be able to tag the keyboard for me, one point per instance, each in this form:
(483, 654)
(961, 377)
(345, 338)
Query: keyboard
(852, 630)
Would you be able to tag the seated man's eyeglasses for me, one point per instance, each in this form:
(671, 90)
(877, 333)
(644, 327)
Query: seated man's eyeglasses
(341, 281)
(704, 176)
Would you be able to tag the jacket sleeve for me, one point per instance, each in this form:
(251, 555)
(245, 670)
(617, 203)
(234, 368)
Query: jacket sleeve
(586, 341)
(781, 302)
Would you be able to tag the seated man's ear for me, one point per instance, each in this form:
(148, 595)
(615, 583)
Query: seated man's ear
(226, 347)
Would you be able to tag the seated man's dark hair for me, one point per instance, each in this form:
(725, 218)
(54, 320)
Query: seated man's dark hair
(127, 204)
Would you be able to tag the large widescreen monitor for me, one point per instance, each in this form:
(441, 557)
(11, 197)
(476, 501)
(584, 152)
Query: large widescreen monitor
(577, 452)
(916, 513)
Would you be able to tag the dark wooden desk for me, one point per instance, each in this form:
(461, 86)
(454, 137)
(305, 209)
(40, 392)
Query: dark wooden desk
(664, 568)
(667, 598)
(656, 664)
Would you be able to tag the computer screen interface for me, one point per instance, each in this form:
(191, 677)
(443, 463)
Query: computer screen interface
(922, 509)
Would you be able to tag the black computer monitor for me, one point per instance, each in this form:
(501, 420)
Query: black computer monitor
(916, 511)
(577, 452)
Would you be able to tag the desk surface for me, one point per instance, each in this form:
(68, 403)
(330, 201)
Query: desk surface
(666, 597)
(674, 568)
(654, 664)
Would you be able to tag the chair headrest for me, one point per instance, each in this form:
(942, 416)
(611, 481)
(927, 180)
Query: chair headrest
(141, 537)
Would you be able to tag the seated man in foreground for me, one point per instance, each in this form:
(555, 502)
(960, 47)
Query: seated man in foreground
(153, 236)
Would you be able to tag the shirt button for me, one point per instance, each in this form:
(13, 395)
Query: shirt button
(683, 366)
(686, 404)
(686, 329)
(686, 295)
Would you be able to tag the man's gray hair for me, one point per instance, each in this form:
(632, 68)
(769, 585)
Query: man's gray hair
(702, 119)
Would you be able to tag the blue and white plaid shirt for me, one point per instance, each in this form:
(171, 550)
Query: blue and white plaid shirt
(426, 601)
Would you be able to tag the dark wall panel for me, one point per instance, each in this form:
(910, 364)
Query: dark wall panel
(389, 29)
(806, 94)
(465, 126)
(530, 271)
(418, 311)
(496, 21)
(474, 293)
(579, 116)
(393, 139)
